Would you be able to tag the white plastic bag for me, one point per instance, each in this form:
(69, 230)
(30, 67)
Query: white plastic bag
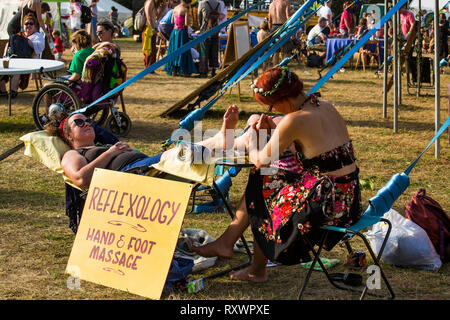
(408, 244)
(195, 237)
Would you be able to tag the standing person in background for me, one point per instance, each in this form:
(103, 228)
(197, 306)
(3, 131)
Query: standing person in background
(75, 15)
(407, 20)
(37, 8)
(114, 16)
(345, 26)
(442, 37)
(59, 48)
(182, 64)
(263, 33)
(224, 12)
(152, 9)
(326, 12)
(209, 15)
(279, 12)
(94, 13)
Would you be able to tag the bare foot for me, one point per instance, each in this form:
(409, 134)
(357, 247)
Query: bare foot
(249, 274)
(230, 120)
(213, 249)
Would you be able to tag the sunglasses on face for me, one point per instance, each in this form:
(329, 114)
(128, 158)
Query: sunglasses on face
(80, 122)
(29, 23)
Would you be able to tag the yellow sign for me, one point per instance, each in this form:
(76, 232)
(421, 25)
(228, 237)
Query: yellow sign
(128, 231)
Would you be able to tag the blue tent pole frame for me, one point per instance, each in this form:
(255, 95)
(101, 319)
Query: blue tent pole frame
(168, 58)
(187, 123)
(357, 46)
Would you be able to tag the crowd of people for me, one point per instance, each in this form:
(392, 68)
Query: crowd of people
(314, 184)
(33, 25)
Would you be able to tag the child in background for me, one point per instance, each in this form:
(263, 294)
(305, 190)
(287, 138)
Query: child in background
(263, 32)
(59, 48)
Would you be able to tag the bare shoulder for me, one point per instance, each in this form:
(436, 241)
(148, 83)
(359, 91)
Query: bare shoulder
(72, 157)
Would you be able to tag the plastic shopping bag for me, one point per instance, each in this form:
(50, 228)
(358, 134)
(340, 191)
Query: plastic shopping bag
(408, 244)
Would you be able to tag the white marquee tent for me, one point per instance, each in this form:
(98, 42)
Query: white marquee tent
(103, 6)
(426, 4)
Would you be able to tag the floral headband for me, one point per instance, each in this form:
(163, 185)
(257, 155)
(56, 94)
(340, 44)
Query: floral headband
(284, 72)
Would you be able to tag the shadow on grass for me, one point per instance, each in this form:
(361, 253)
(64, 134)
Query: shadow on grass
(410, 126)
(19, 127)
(151, 132)
(20, 198)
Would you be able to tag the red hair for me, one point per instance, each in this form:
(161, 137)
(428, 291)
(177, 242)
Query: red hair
(290, 87)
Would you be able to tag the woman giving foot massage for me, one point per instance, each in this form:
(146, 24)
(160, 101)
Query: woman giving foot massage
(318, 185)
(315, 184)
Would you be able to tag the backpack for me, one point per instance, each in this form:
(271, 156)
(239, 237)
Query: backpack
(314, 61)
(139, 20)
(114, 73)
(86, 14)
(429, 215)
(19, 47)
(213, 17)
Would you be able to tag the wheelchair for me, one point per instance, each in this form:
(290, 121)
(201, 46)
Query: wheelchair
(71, 96)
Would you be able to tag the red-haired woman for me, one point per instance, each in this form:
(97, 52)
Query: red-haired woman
(288, 200)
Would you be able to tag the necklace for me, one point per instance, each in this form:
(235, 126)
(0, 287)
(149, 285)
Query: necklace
(313, 97)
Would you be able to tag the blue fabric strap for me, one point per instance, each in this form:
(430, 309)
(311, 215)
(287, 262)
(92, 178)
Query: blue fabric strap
(440, 131)
(357, 46)
(168, 58)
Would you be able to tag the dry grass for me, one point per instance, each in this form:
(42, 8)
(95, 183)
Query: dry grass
(35, 240)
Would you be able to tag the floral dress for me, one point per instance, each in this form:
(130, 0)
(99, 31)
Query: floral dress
(297, 199)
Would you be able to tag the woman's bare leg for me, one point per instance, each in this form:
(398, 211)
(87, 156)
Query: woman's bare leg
(223, 246)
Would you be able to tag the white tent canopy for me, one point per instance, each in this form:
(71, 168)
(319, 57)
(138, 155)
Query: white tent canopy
(427, 4)
(7, 7)
(103, 7)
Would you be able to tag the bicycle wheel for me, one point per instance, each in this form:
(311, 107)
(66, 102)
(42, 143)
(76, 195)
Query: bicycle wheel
(63, 95)
(120, 129)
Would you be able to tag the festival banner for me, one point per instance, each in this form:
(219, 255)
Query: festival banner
(128, 232)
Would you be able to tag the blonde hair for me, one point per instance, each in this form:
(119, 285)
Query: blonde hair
(81, 39)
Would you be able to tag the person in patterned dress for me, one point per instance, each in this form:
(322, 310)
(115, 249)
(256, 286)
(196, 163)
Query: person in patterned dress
(303, 178)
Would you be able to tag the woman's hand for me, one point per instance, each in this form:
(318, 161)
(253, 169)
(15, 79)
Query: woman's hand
(119, 147)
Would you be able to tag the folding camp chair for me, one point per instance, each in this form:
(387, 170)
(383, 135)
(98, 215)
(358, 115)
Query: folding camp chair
(378, 206)
(49, 150)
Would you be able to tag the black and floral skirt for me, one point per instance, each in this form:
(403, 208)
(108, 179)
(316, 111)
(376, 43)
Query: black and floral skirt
(286, 207)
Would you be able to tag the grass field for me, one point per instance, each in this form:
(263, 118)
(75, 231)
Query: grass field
(35, 241)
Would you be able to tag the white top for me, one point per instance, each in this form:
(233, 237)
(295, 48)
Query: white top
(325, 11)
(313, 35)
(38, 41)
(75, 18)
(26, 66)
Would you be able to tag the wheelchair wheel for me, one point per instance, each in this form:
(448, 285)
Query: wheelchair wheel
(120, 129)
(63, 95)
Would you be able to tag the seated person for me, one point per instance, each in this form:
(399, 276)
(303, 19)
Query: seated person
(36, 41)
(86, 62)
(361, 28)
(286, 206)
(81, 48)
(79, 163)
(317, 35)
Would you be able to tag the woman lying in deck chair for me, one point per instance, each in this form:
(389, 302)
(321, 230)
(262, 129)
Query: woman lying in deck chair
(287, 207)
(79, 163)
